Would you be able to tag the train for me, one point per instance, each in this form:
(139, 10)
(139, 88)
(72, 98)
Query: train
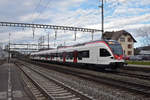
(101, 53)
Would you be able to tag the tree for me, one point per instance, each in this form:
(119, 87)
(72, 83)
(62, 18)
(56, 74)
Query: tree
(144, 33)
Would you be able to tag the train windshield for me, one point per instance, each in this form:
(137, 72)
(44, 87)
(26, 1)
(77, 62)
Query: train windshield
(116, 48)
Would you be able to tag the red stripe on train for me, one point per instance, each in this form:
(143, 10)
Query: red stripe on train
(118, 57)
(64, 57)
(75, 57)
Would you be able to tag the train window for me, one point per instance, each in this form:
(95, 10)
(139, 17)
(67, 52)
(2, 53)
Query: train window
(80, 55)
(45, 55)
(53, 55)
(48, 55)
(104, 53)
(83, 54)
(79, 58)
(41, 55)
(69, 55)
(60, 55)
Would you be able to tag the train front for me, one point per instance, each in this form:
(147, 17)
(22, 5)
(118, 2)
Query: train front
(118, 55)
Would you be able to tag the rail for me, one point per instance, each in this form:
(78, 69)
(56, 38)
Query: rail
(52, 85)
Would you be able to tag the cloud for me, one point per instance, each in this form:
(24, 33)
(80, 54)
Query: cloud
(143, 2)
(67, 3)
(143, 31)
(117, 0)
(29, 17)
(130, 11)
(80, 13)
(123, 23)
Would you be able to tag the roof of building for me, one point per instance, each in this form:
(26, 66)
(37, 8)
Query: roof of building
(115, 35)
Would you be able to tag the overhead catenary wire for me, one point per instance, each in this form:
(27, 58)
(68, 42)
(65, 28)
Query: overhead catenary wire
(36, 7)
(39, 14)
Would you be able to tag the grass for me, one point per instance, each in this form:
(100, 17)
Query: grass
(139, 62)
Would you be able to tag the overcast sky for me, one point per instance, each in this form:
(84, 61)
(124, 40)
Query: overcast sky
(128, 15)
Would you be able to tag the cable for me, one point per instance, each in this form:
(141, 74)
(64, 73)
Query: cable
(35, 9)
(44, 8)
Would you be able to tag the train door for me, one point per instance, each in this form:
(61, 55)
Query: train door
(104, 56)
(46, 58)
(75, 56)
(93, 58)
(64, 57)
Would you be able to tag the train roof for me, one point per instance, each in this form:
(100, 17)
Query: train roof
(90, 42)
(72, 46)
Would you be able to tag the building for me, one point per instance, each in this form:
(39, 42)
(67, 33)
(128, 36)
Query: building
(145, 50)
(124, 38)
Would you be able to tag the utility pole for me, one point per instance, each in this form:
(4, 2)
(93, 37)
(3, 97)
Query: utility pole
(102, 18)
(9, 49)
(43, 42)
(64, 43)
(48, 40)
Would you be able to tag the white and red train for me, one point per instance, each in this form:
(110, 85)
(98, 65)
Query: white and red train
(103, 53)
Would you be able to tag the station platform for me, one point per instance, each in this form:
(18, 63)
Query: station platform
(11, 84)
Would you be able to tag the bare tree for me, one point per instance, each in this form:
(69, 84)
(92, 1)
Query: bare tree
(144, 33)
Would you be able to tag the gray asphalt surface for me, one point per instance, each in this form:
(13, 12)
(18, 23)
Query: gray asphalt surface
(3, 82)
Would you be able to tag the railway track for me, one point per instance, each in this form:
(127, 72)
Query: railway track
(133, 68)
(49, 88)
(129, 85)
(35, 90)
(133, 74)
